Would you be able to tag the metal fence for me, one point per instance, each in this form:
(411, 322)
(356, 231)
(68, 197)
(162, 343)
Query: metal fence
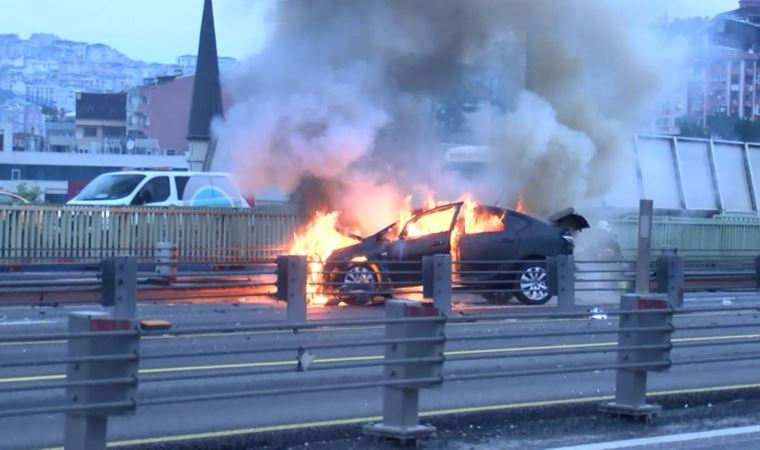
(34, 233)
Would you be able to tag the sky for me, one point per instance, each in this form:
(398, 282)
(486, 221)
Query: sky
(150, 30)
(161, 30)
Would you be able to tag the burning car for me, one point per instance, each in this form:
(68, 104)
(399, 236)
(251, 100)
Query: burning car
(485, 240)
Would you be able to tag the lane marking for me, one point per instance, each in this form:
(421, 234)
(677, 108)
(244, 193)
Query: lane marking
(26, 322)
(431, 413)
(666, 439)
(338, 329)
(379, 357)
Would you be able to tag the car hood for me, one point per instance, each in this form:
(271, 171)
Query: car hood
(568, 218)
(368, 247)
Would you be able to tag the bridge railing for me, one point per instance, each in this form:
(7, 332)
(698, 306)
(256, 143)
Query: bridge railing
(32, 233)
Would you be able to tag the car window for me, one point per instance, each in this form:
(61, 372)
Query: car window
(180, 182)
(516, 222)
(155, 190)
(110, 187)
(434, 221)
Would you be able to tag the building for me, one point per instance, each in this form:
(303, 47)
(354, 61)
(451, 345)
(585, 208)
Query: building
(24, 117)
(725, 68)
(60, 135)
(101, 122)
(160, 110)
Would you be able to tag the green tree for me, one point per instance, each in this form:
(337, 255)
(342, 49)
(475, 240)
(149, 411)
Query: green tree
(31, 193)
(733, 128)
(690, 128)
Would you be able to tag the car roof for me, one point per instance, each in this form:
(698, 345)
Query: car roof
(168, 172)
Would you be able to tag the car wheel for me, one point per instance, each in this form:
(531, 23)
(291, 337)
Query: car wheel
(359, 285)
(498, 298)
(531, 283)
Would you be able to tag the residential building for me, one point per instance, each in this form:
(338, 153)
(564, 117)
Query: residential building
(725, 72)
(101, 122)
(160, 109)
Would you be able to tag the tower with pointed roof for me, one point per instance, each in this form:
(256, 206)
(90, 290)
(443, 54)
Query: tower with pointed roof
(207, 96)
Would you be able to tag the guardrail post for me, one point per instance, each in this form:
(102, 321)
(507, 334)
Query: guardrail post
(644, 246)
(670, 277)
(640, 350)
(291, 285)
(561, 280)
(165, 254)
(436, 281)
(85, 429)
(119, 286)
(401, 401)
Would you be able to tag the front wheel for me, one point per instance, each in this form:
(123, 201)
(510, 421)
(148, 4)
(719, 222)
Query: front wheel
(359, 285)
(531, 283)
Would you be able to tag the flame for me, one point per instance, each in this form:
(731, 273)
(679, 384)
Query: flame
(520, 205)
(320, 237)
(317, 240)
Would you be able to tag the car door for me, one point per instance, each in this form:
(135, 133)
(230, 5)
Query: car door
(427, 233)
(155, 192)
(481, 253)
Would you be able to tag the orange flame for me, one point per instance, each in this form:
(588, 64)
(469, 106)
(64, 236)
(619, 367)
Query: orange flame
(317, 240)
(520, 205)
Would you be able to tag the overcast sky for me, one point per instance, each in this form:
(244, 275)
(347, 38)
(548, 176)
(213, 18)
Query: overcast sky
(161, 30)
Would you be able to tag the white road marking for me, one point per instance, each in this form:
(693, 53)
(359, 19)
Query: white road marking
(26, 322)
(668, 439)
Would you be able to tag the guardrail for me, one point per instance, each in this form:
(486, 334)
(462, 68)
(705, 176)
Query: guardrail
(104, 353)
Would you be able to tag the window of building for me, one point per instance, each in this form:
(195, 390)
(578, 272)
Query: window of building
(15, 174)
(90, 132)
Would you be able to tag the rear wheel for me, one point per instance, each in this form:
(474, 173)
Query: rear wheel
(531, 283)
(359, 285)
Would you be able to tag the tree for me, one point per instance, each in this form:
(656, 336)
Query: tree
(690, 128)
(30, 193)
(733, 128)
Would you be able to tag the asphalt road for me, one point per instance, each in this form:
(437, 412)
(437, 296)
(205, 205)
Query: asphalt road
(217, 419)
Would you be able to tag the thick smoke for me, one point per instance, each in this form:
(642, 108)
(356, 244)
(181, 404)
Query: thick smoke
(340, 106)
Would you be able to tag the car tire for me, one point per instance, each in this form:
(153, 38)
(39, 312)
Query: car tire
(498, 298)
(532, 287)
(359, 285)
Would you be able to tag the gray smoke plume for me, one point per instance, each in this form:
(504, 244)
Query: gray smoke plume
(340, 106)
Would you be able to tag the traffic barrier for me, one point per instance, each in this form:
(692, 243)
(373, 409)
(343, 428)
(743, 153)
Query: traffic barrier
(291, 285)
(102, 364)
(645, 343)
(401, 401)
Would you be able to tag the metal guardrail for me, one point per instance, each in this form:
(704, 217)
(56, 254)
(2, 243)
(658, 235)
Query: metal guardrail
(104, 351)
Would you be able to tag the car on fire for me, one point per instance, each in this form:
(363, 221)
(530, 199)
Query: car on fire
(507, 255)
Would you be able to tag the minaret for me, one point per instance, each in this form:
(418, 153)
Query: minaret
(207, 95)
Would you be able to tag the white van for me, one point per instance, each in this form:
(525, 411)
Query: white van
(161, 188)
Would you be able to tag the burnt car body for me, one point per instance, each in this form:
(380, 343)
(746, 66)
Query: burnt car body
(392, 258)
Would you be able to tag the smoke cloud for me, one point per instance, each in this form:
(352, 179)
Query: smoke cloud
(340, 106)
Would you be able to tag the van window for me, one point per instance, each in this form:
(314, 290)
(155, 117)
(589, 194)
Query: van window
(110, 187)
(180, 182)
(155, 190)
